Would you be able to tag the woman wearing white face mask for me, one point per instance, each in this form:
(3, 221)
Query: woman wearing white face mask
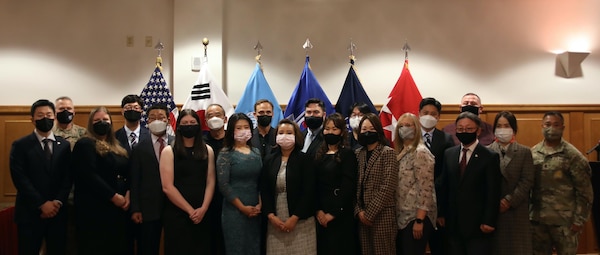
(238, 172)
(416, 208)
(513, 234)
(288, 194)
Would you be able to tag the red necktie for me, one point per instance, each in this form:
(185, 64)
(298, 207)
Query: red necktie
(161, 147)
(463, 161)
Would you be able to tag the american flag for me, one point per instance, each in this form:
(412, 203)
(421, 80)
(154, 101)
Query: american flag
(156, 91)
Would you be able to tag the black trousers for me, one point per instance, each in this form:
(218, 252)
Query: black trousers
(53, 230)
(458, 245)
(438, 242)
(149, 239)
(406, 244)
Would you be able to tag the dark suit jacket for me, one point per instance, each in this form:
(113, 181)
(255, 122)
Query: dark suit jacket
(315, 144)
(439, 143)
(35, 182)
(121, 135)
(147, 196)
(255, 140)
(337, 187)
(300, 184)
(472, 199)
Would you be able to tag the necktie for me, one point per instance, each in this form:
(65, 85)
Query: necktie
(47, 151)
(161, 147)
(132, 139)
(463, 161)
(428, 140)
(307, 141)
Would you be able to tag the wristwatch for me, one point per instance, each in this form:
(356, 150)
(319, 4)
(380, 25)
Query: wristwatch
(419, 221)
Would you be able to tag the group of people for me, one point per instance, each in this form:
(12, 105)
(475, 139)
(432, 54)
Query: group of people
(223, 186)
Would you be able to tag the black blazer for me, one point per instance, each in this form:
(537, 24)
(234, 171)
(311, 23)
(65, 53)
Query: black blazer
(300, 184)
(268, 149)
(35, 182)
(473, 199)
(146, 194)
(337, 189)
(439, 143)
(315, 144)
(121, 135)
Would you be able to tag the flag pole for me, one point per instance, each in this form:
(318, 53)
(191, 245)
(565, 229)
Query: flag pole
(205, 43)
(159, 48)
(351, 49)
(406, 49)
(258, 47)
(307, 46)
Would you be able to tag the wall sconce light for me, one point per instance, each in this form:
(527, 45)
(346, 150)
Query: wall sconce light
(568, 64)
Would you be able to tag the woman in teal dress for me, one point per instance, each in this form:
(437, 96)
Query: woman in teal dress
(238, 172)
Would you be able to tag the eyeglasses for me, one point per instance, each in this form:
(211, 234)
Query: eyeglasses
(129, 107)
(467, 130)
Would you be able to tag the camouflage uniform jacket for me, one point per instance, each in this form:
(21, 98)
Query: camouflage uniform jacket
(72, 135)
(562, 193)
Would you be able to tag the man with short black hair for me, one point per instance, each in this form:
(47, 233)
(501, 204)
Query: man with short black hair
(131, 133)
(314, 115)
(40, 170)
(263, 136)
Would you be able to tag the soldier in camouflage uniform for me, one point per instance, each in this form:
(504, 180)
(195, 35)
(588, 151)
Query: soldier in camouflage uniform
(65, 111)
(562, 193)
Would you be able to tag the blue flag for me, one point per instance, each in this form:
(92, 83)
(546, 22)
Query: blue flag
(308, 87)
(352, 92)
(157, 92)
(258, 88)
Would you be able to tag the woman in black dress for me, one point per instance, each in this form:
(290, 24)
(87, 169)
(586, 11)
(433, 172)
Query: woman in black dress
(101, 188)
(187, 172)
(335, 169)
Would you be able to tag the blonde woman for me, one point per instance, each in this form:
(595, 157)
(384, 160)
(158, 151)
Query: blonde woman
(416, 208)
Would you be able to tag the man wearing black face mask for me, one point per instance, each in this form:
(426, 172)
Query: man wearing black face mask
(472, 103)
(129, 136)
(263, 136)
(469, 191)
(65, 113)
(313, 118)
(40, 166)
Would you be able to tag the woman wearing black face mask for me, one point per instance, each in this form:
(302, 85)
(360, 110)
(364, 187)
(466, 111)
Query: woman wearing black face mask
(335, 169)
(101, 188)
(187, 173)
(376, 188)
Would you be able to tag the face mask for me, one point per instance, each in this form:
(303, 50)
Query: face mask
(264, 120)
(332, 139)
(44, 125)
(286, 141)
(64, 117)
(504, 135)
(471, 109)
(466, 138)
(428, 121)
(215, 123)
(157, 127)
(313, 122)
(552, 134)
(406, 133)
(132, 115)
(367, 138)
(354, 122)
(242, 135)
(101, 127)
(189, 131)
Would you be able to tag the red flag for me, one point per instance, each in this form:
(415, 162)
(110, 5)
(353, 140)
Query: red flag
(405, 97)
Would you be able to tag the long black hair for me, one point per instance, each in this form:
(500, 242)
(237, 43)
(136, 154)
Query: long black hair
(229, 140)
(199, 151)
(339, 122)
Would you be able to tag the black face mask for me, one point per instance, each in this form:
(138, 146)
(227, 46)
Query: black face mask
(471, 109)
(44, 125)
(132, 115)
(466, 138)
(367, 138)
(64, 117)
(101, 127)
(332, 139)
(264, 120)
(313, 122)
(189, 131)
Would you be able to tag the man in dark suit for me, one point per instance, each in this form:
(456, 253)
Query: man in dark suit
(314, 115)
(132, 132)
(129, 136)
(470, 190)
(39, 167)
(147, 197)
(263, 136)
(437, 142)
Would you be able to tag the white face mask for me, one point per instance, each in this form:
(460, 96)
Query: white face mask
(215, 123)
(428, 121)
(406, 133)
(157, 127)
(355, 121)
(242, 135)
(504, 135)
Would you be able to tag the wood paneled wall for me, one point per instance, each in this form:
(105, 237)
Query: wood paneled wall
(582, 130)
